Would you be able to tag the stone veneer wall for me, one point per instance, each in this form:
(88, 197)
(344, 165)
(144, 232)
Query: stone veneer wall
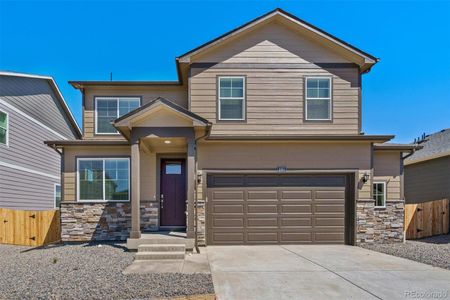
(109, 221)
(201, 215)
(379, 225)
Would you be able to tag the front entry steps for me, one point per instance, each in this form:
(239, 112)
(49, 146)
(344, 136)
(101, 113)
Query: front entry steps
(157, 251)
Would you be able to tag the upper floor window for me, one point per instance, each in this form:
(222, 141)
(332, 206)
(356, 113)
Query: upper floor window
(108, 109)
(318, 98)
(3, 128)
(379, 194)
(231, 98)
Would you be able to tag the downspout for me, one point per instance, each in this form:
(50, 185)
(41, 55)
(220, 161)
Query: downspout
(206, 135)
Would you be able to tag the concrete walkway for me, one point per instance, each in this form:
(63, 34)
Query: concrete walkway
(321, 272)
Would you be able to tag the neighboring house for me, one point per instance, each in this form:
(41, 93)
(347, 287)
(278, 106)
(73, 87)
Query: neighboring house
(258, 142)
(427, 171)
(32, 110)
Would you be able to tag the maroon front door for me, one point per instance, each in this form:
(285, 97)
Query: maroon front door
(173, 193)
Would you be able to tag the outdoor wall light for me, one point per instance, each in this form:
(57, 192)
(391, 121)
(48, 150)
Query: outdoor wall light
(167, 142)
(365, 177)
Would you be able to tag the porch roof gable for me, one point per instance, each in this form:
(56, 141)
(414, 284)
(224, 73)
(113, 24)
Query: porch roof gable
(148, 108)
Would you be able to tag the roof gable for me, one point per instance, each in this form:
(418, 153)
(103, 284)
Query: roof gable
(349, 52)
(160, 112)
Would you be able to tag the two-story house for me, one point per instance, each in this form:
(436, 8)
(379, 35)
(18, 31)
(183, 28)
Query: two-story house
(32, 110)
(258, 142)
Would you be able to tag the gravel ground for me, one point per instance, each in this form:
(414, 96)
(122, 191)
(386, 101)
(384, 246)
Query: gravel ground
(87, 271)
(433, 251)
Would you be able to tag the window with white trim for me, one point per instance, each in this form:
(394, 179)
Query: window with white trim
(57, 195)
(231, 98)
(379, 194)
(318, 98)
(108, 109)
(3, 128)
(103, 179)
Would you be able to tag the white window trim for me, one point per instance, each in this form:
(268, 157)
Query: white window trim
(328, 98)
(54, 194)
(7, 129)
(117, 99)
(102, 159)
(384, 193)
(243, 98)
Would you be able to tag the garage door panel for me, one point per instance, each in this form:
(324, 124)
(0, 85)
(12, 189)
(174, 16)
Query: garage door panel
(262, 195)
(293, 209)
(228, 238)
(296, 237)
(231, 195)
(330, 195)
(329, 221)
(270, 209)
(265, 237)
(329, 208)
(227, 222)
(295, 222)
(260, 209)
(228, 208)
(287, 195)
(263, 222)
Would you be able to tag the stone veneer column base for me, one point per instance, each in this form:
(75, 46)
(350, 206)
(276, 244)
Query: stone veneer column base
(379, 225)
(110, 221)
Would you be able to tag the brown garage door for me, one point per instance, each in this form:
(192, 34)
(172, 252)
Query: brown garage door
(276, 209)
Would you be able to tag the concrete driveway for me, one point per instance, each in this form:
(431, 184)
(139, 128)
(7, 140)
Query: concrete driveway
(321, 272)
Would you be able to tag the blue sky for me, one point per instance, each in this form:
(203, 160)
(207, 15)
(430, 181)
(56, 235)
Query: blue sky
(406, 94)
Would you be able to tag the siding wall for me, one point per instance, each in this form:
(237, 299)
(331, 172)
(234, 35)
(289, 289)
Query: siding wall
(275, 61)
(20, 189)
(387, 168)
(36, 98)
(428, 180)
(177, 94)
(148, 169)
(293, 155)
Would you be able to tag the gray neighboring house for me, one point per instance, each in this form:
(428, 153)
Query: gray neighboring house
(32, 110)
(427, 171)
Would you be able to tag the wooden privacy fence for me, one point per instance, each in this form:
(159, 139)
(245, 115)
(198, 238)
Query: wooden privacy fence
(29, 227)
(426, 219)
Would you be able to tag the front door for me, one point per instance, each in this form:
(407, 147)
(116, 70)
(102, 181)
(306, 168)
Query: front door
(173, 193)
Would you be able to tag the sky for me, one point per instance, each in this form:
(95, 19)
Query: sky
(407, 93)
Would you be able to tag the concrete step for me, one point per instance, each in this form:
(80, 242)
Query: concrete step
(160, 255)
(162, 247)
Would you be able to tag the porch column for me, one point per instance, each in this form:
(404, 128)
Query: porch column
(135, 191)
(190, 168)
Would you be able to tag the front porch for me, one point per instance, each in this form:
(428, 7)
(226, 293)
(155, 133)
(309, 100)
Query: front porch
(161, 238)
(165, 134)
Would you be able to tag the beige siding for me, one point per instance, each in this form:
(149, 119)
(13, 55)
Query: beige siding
(428, 180)
(148, 168)
(294, 155)
(387, 168)
(177, 94)
(271, 43)
(274, 92)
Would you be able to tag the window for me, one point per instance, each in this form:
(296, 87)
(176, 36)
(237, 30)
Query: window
(231, 98)
(57, 195)
(109, 109)
(104, 179)
(3, 128)
(318, 98)
(173, 168)
(379, 194)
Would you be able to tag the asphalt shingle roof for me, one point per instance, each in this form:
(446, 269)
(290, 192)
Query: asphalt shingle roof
(434, 145)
